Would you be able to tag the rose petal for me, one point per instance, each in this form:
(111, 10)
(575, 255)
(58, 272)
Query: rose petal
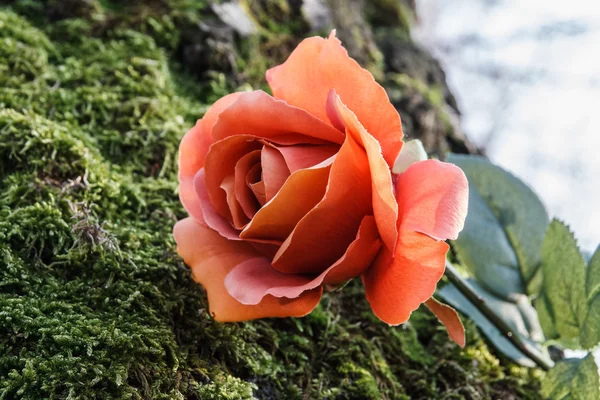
(257, 113)
(396, 284)
(265, 248)
(305, 156)
(258, 189)
(243, 193)
(250, 281)
(212, 219)
(433, 199)
(211, 257)
(449, 317)
(385, 207)
(220, 163)
(324, 233)
(276, 219)
(192, 153)
(274, 171)
(239, 217)
(359, 255)
(318, 65)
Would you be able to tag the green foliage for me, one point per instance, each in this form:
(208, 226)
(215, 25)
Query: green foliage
(94, 300)
(500, 247)
(573, 379)
(484, 247)
(590, 332)
(520, 316)
(504, 230)
(593, 276)
(569, 306)
(564, 272)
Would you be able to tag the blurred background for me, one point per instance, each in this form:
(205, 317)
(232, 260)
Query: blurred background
(526, 77)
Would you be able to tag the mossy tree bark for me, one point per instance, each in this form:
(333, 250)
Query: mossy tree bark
(94, 301)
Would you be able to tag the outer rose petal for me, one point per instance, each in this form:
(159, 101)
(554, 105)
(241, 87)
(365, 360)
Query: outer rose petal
(252, 280)
(211, 257)
(449, 317)
(433, 198)
(396, 285)
(385, 207)
(318, 65)
(258, 114)
(192, 153)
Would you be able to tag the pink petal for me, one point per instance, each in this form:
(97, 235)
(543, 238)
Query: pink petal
(433, 199)
(212, 219)
(211, 257)
(192, 153)
(250, 281)
(220, 163)
(258, 114)
(449, 317)
(256, 184)
(305, 156)
(243, 193)
(274, 171)
(385, 207)
(324, 233)
(397, 283)
(276, 219)
(239, 217)
(319, 65)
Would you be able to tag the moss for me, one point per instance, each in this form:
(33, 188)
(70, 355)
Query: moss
(23, 49)
(94, 301)
(391, 15)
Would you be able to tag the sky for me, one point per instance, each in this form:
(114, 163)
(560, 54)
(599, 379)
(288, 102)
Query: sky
(527, 79)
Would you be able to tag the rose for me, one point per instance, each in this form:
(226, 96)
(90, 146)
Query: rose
(310, 188)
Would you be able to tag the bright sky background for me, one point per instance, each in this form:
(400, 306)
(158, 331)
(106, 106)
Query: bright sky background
(543, 127)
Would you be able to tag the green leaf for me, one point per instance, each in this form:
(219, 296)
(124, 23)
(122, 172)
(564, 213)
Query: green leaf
(545, 316)
(573, 378)
(504, 230)
(564, 283)
(522, 317)
(590, 331)
(484, 249)
(593, 276)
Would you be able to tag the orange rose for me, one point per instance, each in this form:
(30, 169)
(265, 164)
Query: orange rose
(291, 193)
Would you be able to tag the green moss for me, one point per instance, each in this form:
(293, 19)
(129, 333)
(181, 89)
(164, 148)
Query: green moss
(434, 95)
(95, 302)
(402, 85)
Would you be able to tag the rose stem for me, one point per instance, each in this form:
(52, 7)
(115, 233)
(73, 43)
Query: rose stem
(463, 286)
